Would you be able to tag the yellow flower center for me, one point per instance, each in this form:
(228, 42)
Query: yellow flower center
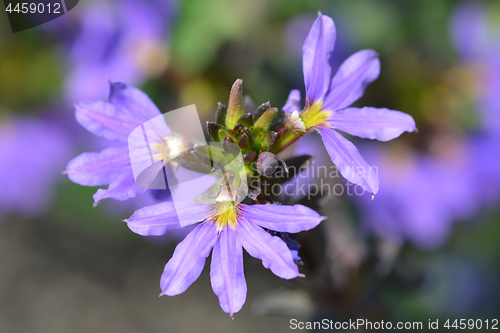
(225, 213)
(169, 148)
(315, 115)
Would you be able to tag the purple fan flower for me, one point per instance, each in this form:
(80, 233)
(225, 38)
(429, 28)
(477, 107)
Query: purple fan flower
(120, 40)
(226, 227)
(327, 101)
(126, 109)
(32, 155)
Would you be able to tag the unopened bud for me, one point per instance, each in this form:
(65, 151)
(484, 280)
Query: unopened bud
(267, 163)
(260, 110)
(235, 108)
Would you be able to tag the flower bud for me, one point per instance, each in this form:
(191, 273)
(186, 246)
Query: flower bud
(249, 157)
(235, 108)
(267, 163)
(220, 114)
(216, 132)
(246, 120)
(263, 124)
(260, 110)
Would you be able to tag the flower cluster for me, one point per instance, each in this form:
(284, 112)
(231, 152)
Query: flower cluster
(235, 213)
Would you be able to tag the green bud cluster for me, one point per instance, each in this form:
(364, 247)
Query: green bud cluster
(253, 132)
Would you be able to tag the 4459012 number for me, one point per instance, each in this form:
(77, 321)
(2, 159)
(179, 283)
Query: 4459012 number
(32, 7)
(471, 324)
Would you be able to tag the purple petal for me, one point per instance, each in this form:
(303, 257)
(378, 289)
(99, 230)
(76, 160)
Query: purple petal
(142, 160)
(273, 252)
(348, 160)
(226, 272)
(372, 123)
(123, 188)
(293, 102)
(316, 53)
(292, 219)
(105, 120)
(132, 101)
(155, 220)
(96, 169)
(152, 177)
(188, 260)
(190, 212)
(349, 84)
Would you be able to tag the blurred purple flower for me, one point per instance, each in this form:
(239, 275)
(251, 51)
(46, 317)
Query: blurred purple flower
(485, 169)
(127, 109)
(327, 100)
(227, 228)
(422, 195)
(32, 155)
(470, 33)
(120, 40)
(477, 41)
